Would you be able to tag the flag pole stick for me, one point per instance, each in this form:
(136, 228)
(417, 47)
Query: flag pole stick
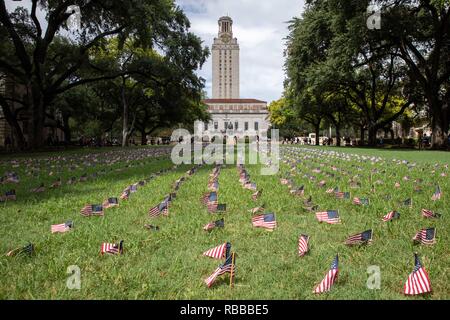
(232, 271)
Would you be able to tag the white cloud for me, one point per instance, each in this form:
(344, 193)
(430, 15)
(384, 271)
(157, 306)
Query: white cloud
(260, 27)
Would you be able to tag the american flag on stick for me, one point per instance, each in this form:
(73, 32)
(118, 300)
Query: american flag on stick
(112, 248)
(342, 195)
(437, 194)
(219, 252)
(10, 195)
(360, 238)
(110, 202)
(28, 250)
(418, 281)
(61, 228)
(125, 194)
(391, 216)
(330, 278)
(430, 214)
(256, 195)
(329, 216)
(361, 201)
(425, 236)
(214, 224)
(227, 267)
(92, 210)
(266, 221)
(162, 208)
(303, 241)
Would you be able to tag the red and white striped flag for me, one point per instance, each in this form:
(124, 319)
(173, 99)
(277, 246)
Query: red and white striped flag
(391, 216)
(61, 228)
(330, 277)
(256, 195)
(112, 248)
(303, 241)
(329, 216)
(436, 194)
(227, 267)
(426, 236)
(418, 281)
(218, 252)
(430, 214)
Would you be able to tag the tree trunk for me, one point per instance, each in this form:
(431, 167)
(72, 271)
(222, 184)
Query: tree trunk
(67, 132)
(373, 135)
(338, 136)
(143, 137)
(125, 131)
(362, 132)
(17, 132)
(38, 116)
(317, 130)
(439, 123)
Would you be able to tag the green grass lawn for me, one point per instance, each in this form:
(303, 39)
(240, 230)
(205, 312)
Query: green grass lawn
(168, 264)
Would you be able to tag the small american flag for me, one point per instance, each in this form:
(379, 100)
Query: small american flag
(322, 183)
(303, 241)
(361, 201)
(430, 214)
(426, 236)
(219, 252)
(330, 277)
(332, 190)
(342, 195)
(300, 191)
(28, 250)
(112, 248)
(391, 216)
(329, 216)
(250, 186)
(418, 281)
(227, 267)
(408, 202)
(209, 197)
(125, 194)
(256, 195)
(214, 186)
(162, 208)
(110, 202)
(436, 194)
(10, 195)
(133, 188)
(214, 224)
(61, 228)
(360, 238)
(284, 181)
(92, 210)
(267, 221)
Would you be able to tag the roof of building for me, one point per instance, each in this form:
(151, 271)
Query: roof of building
(233, 101)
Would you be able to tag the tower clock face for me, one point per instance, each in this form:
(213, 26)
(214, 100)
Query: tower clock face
(226, 38)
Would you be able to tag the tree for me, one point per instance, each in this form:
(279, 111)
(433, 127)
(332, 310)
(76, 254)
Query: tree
(47, 64)
(420, 31)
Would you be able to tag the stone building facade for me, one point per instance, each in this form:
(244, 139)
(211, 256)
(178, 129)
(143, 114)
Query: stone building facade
(230, 114)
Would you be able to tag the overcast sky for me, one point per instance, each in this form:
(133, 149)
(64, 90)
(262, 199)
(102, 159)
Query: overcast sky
(260, 27)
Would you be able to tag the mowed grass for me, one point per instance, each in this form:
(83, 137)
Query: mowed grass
(168, 264)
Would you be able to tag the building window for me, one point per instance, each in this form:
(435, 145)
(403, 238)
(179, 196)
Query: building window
(256, 126)
(245, 126)
(216, 125)
(226, 125)
(236, 125)
(206, 126)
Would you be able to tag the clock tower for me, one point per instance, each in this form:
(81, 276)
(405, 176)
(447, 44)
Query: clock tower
(225, 62)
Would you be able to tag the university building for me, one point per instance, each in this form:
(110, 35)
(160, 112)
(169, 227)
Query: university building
(230, 114)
